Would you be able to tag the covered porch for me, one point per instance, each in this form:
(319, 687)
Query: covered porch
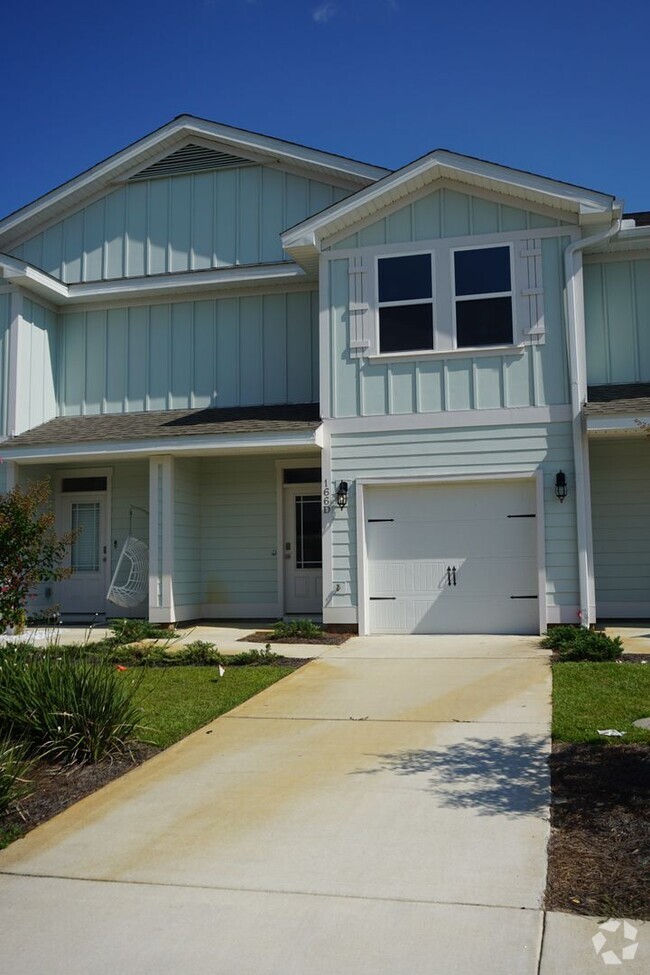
(617, 420)
(227, 503)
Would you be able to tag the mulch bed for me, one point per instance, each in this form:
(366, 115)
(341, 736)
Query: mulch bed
(328, 639)
(55, 788)
(599, 851)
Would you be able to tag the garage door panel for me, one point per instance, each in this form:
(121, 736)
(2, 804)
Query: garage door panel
(486, 532)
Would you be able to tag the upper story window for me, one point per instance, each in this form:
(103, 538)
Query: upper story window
(483, 296)
(405, 301)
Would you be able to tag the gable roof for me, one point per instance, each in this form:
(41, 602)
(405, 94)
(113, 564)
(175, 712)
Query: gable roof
(181, 132)
(441, 164)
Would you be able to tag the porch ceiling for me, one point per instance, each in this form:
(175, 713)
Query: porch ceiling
(621, 409)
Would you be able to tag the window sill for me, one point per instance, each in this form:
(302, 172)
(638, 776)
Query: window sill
(479, 352)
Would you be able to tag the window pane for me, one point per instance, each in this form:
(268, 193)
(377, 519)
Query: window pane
(302, 475)
(308, 532)
(76, 484)
(405, 328)
(405, 278)
(486, 321)
(482, 271)
(85, 548)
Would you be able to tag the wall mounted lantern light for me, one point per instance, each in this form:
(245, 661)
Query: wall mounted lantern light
(561, 489)
(342, 494)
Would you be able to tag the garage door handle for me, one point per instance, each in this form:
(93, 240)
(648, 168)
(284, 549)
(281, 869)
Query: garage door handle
(453, 574)
(448, 575)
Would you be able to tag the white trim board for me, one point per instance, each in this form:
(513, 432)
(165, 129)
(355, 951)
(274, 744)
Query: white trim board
(448, 419)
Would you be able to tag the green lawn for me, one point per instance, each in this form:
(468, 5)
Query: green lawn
(589, 696)
(178, 700)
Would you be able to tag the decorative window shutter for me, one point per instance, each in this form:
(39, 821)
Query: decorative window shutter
(360, 317)
(529, 290)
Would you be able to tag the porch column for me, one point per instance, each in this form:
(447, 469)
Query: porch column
(161, 539)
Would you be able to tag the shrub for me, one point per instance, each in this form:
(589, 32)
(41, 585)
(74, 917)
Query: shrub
(71, 711)
(578, 643)
(559, 635)
(252, 658)
(30, 550)
(15, 767)
(132, 631)
(296, 629)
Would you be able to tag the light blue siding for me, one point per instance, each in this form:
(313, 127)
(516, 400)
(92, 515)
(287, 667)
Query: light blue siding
(253, 350)
(621, 526)
(5, 325)
(179, 223)
(446, 213)
(536, 375)
(471, 452)
(36, 367)
(617, 313)
(187, 536)
(239, 533)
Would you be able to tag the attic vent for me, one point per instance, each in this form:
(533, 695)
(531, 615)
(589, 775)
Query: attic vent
(190, 159)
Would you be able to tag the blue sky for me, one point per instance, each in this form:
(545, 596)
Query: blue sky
(557, 88)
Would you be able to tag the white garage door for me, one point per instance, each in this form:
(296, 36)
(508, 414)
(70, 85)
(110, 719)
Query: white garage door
(456, 558)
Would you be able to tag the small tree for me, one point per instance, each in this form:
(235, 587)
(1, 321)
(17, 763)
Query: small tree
(30, 550)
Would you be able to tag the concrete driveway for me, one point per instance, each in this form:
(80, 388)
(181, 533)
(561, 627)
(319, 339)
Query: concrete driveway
(381, 810)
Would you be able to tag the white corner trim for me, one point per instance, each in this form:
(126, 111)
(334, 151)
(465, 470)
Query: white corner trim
(444, 419)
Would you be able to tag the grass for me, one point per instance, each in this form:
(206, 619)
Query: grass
(178, 700)
(589, 696)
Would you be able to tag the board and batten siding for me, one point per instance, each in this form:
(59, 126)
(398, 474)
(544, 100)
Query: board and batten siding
(459, 452)
(535, 375)
(179, 223)
(5, 327)
(247, 351)
(620, 504)
(446, 213)
(617, 320)
(36, 400)
(187, 537)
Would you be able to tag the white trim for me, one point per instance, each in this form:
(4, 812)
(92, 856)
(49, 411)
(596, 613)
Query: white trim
(384, 423)
(612, 425)
(169, 521)
(481, 351)
(440, 164)
(194, 446)
(324, 337)
(154, 553)
(13, 334)
(534, 474)
(174, 135)
(280, 466)
(11, 475)
(329, 513)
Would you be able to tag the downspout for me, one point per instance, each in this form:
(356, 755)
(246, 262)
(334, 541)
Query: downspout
(576, 343)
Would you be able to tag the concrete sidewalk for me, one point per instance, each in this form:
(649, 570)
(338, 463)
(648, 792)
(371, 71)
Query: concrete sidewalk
(383, 810)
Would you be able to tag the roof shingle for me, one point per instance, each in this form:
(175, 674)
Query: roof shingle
(614, 398)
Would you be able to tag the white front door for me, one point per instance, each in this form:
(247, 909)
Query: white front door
(458, 558)
(83, 593)
(303, 566)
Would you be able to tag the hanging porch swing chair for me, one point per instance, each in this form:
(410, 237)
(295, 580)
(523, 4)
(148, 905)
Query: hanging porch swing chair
(130, 583)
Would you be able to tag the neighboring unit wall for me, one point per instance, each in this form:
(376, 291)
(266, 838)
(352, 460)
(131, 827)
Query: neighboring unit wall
(179, 223)
(35, 367)
(617, 313)
(465, 451)
(239, 562)
(5, 326)
(246, 351)
(620, 503)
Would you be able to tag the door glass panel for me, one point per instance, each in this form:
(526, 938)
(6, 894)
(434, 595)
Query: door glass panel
(308, 532)
(85, 548)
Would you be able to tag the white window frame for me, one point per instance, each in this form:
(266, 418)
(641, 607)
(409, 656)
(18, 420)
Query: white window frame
(482, 297)
(426, 252)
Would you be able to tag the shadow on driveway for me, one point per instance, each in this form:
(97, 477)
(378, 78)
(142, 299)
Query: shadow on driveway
(494, 776)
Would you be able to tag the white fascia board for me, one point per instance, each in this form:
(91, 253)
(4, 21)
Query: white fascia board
(192, 446)
(15, 271)
(628, 426)
(171, 134)
(443, 164)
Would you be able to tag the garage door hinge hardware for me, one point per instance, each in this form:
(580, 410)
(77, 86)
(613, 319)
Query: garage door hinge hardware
(373, 520)
(523, 597)
(377, 598)
(521, 516)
